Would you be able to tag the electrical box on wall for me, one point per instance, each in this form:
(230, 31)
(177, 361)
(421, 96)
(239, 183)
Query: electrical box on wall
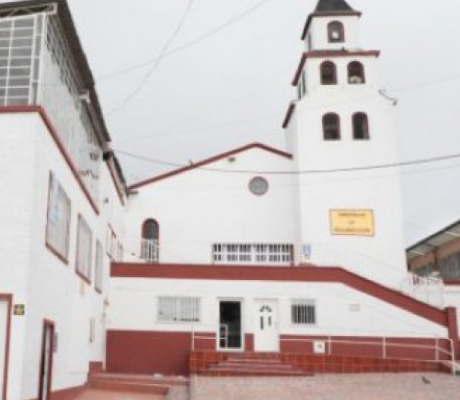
(319, 347)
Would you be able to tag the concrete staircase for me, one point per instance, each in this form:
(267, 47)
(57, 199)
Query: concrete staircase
(252, 365)
(135, 383)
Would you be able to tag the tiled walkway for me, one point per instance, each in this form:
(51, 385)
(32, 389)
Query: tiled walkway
(107, 395)
(331, 387)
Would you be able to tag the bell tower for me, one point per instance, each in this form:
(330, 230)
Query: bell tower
(339, 129)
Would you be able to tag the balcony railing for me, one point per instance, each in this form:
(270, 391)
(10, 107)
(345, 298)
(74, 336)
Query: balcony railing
(150, 251)
(427, 289)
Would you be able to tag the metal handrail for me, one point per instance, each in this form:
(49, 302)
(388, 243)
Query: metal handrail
(385, 345)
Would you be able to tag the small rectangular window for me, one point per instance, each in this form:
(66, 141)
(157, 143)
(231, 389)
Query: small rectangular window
(303, 312)
(58, 223)
(99, 275)
(84, 249)
(178, 309)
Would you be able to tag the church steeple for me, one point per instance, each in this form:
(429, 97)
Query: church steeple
(327, 11)
(333, 6)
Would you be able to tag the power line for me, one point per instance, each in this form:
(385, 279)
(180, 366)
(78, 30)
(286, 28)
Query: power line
(190, 43)
(416, 86)
(302, 172)
(158, 60)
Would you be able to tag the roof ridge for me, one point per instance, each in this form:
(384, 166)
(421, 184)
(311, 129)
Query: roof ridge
(210, 160)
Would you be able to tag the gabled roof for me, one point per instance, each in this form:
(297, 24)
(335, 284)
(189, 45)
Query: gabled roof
(329, 8)
(210, 160)
(333, 5)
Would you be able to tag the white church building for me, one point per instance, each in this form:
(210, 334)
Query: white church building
(295, 254)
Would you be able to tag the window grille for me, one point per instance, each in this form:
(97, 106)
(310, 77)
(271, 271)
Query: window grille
(58, 224)
(303, 312)
(84, 249)
(20, 46)
(178, 309)
(253, 253)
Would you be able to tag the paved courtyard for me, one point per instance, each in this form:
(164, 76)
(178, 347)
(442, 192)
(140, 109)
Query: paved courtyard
(331, 387)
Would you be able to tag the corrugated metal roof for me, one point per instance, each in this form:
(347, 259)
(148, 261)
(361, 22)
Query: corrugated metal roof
(438, 239)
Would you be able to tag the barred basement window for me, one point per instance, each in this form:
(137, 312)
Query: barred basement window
(178, 309)
(303, 312)
(58, 224)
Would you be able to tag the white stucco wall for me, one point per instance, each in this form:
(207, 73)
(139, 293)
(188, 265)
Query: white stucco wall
(17, 156)
(341, 311)
(198, 208)
(49, 288)
(319, 33)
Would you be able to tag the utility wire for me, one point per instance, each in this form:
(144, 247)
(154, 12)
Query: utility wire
(415, 86)
(302, 172)
(190, 43)
(157, 61)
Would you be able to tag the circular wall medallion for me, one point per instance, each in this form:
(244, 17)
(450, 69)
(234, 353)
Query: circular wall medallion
(258, 186)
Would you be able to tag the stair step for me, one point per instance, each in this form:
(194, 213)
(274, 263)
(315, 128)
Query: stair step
(250, 372)
(254, 360)
(259, 356)
(132, 387)
(253, 366)
(169, 381)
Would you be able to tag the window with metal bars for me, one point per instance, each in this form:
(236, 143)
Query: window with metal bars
(253, 253)
(303, 312)
(178, 309)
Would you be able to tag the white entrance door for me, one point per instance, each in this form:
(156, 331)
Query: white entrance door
(266, 326)
(3, 333)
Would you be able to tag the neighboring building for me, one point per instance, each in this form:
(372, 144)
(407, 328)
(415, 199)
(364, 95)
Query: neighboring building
(435, 263)
(438, 255)
(305, 256)
(61, 205)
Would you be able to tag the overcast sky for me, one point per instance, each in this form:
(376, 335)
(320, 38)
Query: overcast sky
(234, 87)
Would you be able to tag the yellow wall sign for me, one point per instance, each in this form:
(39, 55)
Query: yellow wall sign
(19, 309)
(352, 222)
